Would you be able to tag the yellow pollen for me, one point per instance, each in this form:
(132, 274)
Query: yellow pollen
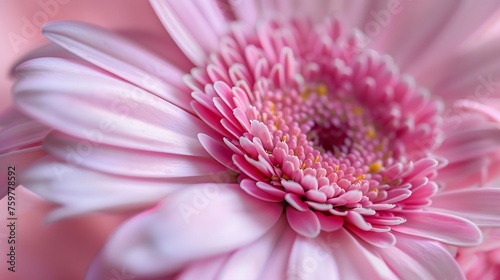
(360, 177)
(357, 111)
(375, 167)
(384, 179)
(379, 147)
(271, 108)
(376, 191)
(304, 94)
(322, 90)
(370, 133)
(284, 138)
(275, 178)
(285, 177)
(388, 155)
(316, 159)
(303, 166)
(277, 121)
(336, 168)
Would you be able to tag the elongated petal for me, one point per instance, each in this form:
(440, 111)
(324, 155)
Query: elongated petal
(16, 162)
(477, 205)
(22, 135)
(132, 63)
(128, 162)
(248, 262)
(277, 263)
(208, 268)
(345, 248)
(192, 224)
(81, 191)
(455, 31)
(415, 258)
(310, 259)
(306, 223)
(446, 228)
(116, 112)
(195, 27)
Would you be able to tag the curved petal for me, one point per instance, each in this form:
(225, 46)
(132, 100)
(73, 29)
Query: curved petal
(248, 262)
(132, 63)
(81, 191)
(192, 224)
(129, 162)
(196, 26)
(415, 258)
(208, 268)
(472, 73)
(305, 223)
(456, 31)
(277, 262)
(477, 205)
(345, 248)
(310, 259)
(57, 91)
(101, 269)
(445, 228)
(19, 160)
(18, 131)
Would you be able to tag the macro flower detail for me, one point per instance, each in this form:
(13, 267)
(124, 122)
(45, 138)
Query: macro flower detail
(290, 150)
(330, 131)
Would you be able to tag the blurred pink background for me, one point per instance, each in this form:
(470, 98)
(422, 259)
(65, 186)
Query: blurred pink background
(63, 250)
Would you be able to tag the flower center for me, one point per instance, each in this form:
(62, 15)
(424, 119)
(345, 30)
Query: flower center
(313, 121)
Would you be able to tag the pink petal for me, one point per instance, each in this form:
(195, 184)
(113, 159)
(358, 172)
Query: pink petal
(456, 31)
(101, 269)
(189, 28)
(128, 162)
(248, 262)
(441, 227)
(204, 269)
(277, 263)
(378, 239)
(250, 187)
(329, 223)
(176, 234)
(82, 191)
(310, 259)
(20, 132)
(415, 258)
(295, 202)
(20, 160)
(305, 223)
(246, 11)
(132, 63)
(345, 248)
(217, 150)
(477, 205)
(117, 113)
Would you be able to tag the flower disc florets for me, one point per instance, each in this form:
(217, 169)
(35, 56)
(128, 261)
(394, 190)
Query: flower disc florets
(313, 121)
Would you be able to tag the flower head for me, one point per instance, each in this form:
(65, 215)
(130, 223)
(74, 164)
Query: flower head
(290, 150)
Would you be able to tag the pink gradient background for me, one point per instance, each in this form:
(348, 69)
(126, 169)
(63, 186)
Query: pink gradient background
(63, 250)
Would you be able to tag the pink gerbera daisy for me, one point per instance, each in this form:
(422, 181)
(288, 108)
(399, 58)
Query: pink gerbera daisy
(294, 148)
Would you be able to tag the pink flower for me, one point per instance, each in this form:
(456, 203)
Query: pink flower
(482, 262)
(294, 147)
